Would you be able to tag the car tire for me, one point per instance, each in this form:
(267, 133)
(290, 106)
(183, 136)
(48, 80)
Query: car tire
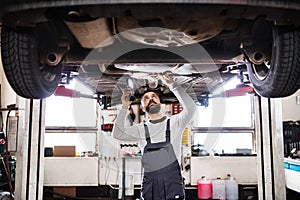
(26, 75)
(281, 76)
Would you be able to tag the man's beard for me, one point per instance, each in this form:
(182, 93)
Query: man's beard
(153, 109)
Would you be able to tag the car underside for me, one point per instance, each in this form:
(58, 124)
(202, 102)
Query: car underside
(105, 45)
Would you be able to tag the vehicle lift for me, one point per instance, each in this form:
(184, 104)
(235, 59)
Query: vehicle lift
(29, 171)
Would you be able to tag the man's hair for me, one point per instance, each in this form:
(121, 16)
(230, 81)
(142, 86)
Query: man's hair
(146, 93)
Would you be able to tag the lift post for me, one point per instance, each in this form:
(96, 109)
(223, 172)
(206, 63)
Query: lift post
(30, 150)
(270, 154)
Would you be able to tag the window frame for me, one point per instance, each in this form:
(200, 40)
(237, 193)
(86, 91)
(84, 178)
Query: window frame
(250, 129)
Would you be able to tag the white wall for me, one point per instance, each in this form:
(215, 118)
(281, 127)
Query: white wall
(8, 96)
(290, 109)
(243, 168)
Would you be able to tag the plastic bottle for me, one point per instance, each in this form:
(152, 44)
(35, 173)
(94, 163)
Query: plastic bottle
(218, 189)
(204, 188)
(232, 189)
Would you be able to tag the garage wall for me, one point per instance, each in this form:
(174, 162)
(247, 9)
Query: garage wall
(290, 108)
(8, 96)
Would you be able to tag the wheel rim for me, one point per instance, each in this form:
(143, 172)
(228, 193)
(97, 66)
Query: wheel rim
(261, 71)
(48, 75)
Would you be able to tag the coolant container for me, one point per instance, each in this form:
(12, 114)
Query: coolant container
(218, 189)
(204, 188)
(232, 189)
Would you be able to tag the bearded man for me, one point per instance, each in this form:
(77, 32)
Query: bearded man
(160, 139)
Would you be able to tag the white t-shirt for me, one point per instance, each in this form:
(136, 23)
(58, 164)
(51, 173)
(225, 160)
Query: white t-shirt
(157, 128)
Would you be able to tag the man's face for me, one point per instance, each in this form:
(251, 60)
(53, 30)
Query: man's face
(151, 103)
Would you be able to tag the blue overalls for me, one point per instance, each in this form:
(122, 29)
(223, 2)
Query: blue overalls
(162, 175)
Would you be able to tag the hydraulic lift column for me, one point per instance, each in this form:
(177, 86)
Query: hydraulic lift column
(270, 155)
(30, 150)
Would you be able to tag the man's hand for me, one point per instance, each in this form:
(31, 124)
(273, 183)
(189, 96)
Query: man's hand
(126, 98)
(167, 77)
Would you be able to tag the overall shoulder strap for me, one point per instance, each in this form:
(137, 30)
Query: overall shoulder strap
(147, 135)
(168, 135)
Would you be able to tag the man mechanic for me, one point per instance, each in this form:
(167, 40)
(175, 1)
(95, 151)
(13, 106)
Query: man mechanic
(160, 139)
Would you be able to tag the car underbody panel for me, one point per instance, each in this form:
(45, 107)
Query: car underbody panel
(203, 43)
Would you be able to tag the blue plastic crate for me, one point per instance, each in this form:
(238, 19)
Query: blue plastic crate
(295, 167)
(287, 165)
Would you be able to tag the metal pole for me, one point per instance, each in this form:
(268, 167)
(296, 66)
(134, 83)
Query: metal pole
(271, 184)
(123, 178)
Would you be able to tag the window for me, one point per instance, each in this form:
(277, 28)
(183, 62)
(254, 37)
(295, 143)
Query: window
(233, 111)
(71, 112)
(225, 112)
(81, 140)
(72, 121)
(224, 142)
(226, 124)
